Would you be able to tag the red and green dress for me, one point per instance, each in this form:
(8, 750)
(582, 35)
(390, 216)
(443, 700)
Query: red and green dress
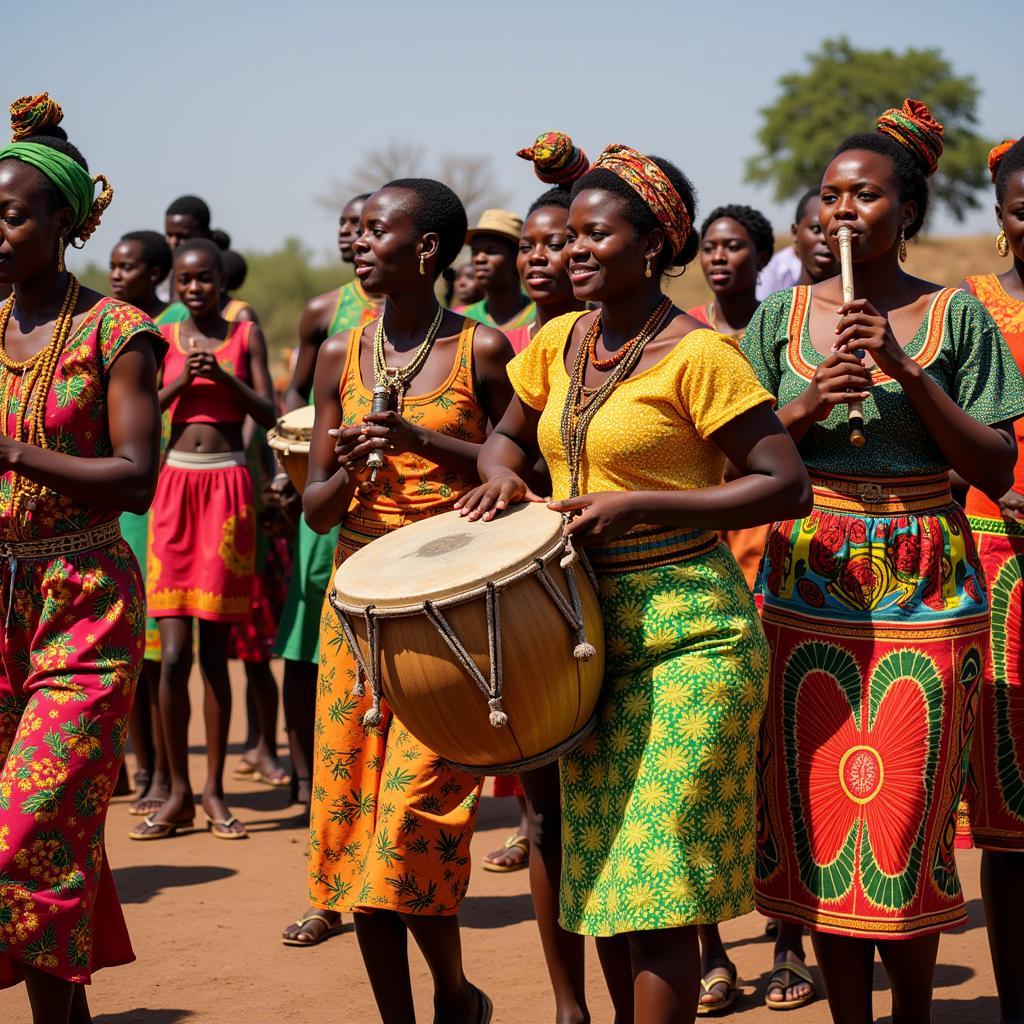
(70, 655)
(995, 786)
(876, 613)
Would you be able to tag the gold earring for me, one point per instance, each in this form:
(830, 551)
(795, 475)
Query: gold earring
(647, 269)
(423, 269)
(903, 245)
(60, 255)
(1002, 245)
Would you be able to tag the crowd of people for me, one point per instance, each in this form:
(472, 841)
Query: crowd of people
(813, 688)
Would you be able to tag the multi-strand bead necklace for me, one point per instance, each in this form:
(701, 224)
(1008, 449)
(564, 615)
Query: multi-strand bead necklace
(36, 374)
(398, 381)
(582, 403)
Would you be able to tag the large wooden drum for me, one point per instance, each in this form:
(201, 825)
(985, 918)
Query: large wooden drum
(485, 638)
(290, 443)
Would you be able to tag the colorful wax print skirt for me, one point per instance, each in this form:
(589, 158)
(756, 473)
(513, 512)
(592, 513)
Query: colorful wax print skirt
(876, 613)
(298, 634)
(202, 538)
(658, 803)
(253, 640)
(390, 821)
(135, 530)
(70, 655)
(994, 799)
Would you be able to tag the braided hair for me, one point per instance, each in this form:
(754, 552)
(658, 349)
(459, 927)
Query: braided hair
(754, 222)
(640, 215)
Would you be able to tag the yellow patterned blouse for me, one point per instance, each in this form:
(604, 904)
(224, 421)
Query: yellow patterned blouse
(652, 434)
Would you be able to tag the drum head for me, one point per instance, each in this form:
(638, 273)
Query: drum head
(296, 425)
(444, 556)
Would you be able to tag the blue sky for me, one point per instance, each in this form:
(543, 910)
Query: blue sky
(257, 105)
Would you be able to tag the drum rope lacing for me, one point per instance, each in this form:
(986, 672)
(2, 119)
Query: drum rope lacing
(491, 686)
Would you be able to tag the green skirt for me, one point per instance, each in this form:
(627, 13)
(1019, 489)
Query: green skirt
(658, 804)
(298, 635)
(135, 530)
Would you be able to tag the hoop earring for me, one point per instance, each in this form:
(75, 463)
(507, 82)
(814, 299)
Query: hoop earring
(423, 269)
(1002, 245)
(647, 269)
(903, 245)
(60, 255)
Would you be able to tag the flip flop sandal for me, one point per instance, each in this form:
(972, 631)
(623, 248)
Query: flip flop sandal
(164, 829)
(521, 843)
(719, 976)
(314, 915)
(279, 781)
(797, 971)
(223, 829)
(144, 808)
(244, 770)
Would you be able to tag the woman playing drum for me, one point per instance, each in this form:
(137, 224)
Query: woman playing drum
(390, 822)
(658, 804)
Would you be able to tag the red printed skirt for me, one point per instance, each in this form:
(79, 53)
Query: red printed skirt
(876, 614)
(202, 539)
(993, 810)
(70, 655)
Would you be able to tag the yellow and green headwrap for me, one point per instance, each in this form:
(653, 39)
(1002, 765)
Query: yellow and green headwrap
(32, 115)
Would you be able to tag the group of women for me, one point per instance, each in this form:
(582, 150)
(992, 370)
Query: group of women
(806, 757)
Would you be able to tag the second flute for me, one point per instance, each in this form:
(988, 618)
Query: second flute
(855, 406)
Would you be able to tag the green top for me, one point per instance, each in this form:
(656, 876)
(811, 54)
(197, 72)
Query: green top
(354, 309)
(957, 344)
(478, 311)
(175, 313)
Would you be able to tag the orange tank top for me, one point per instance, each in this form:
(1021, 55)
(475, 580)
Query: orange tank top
(208, 401)
(409, 486)
(1008, 314)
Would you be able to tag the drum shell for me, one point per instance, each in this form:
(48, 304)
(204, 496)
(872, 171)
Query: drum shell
(547, 693)
(293, 457)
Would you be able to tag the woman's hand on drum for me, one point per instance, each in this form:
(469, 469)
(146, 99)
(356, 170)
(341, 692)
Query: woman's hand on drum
(487, 500)
(603, 516)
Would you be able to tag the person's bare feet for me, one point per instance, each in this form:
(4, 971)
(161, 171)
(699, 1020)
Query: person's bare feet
(784, 984)
(219, 817)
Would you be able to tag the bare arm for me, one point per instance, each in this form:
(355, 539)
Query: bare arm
(126, 481)
(313, 324)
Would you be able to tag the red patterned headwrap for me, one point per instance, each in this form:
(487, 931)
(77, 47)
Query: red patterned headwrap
(914, 127)
(556, 160)
(996, 154)
(31, 115)
(648, 180)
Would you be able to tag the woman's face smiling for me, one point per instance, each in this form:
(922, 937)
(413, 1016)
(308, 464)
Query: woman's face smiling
(540, 256)
(198, 281)
(605, 256)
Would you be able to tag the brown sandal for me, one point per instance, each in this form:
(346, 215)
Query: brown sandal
(314, 915)
(518, 842)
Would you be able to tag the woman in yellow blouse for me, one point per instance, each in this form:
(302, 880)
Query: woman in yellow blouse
(636, 408)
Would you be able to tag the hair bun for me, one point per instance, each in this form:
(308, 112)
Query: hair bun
(914, 127)
(556, 160)
(996, 154)
(36, 115)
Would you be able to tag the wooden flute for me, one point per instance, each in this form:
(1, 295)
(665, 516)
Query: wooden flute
(855, 406)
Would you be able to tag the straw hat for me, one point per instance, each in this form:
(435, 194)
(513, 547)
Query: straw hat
(504, 223)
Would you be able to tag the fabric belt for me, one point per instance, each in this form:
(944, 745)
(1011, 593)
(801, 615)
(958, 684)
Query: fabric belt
(882, 496)
(650, 548)
(16, 551)
(204, 460)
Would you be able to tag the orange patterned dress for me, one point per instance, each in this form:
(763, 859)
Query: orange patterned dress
(995, 785)
(390, 822)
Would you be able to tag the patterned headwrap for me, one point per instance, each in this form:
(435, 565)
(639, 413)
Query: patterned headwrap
(996, 154)
(914, 127)
(31, 116)
(649, 182)
(555, 159)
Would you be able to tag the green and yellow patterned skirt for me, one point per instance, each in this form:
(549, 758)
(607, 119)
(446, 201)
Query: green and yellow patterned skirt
(658, 804)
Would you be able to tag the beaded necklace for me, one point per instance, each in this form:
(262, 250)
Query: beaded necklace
(582, 403)
(37, 373)
(398, 381)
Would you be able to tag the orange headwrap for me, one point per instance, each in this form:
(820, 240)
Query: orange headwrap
(914, 127)
(649, 182)
(996, 154)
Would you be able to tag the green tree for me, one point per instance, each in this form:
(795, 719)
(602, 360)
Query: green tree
(843, 92)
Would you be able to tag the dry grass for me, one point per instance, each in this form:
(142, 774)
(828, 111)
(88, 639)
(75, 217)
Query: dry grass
(944, 260)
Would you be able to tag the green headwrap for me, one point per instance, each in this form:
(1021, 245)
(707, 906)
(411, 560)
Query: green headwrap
(73, 180)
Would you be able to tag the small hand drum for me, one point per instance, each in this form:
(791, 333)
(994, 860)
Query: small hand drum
(485, 638)
(290, 443)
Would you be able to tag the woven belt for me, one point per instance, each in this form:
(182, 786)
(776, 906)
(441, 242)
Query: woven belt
(63, 544)
(650, 548)
(882, 496)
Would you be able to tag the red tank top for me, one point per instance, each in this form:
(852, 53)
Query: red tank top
(208, 401)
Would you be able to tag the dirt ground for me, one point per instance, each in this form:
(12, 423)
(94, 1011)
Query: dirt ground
(205, 918)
